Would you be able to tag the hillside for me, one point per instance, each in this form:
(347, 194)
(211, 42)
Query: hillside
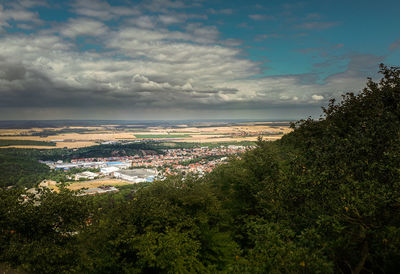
(323, 199)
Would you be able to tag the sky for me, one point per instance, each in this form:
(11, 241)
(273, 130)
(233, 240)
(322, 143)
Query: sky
(199, 59)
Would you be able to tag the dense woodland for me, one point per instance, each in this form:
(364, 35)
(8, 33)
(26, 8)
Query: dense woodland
(323, 199)
(4, 143)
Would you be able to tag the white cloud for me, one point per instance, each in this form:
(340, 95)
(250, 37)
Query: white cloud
(203, 34)
(158, 72)
(31, 3)
(317, 97)
(143, 21)
(101, 10)
(168, 19)
(83, 26)
(147, 66)
(17, 13)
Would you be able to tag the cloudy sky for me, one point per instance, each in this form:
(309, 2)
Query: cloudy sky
(166, 59)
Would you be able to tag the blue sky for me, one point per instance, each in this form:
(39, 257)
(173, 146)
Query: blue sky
(164, 59)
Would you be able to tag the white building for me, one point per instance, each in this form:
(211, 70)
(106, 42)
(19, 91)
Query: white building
(136, 175)
(118, 164)
(108, 170)
(86, 175)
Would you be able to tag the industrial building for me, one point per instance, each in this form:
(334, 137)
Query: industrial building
(86, 175)
(136, 175)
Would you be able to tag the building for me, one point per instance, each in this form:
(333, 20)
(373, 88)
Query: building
(108, 170)
(86, 175)
(137, 175)
(99, 190)
(118, 164)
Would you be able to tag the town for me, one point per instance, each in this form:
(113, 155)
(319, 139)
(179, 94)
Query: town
(147, 167)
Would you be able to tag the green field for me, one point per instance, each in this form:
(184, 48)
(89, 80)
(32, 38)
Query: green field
(161, 136)
(4, 143)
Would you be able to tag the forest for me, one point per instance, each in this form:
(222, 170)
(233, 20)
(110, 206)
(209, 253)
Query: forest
(4, 142)
(323, 199)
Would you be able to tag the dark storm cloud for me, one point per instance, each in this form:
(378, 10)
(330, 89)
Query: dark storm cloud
(12, 72)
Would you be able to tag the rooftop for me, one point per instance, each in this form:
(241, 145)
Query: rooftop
(140, 172)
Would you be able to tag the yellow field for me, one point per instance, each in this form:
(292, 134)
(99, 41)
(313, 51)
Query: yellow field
(97, 183)
(209, 134)
(230, 139)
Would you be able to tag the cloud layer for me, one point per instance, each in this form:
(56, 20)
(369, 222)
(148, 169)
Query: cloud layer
(130, 62)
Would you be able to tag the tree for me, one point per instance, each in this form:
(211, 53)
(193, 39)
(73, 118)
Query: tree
(326, 198)
(345, 176)
(38, 232)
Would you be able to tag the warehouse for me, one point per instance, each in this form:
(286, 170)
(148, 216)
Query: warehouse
(136, 175)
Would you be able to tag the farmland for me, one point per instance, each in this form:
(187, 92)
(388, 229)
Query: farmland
(69, 136)
(161, 136)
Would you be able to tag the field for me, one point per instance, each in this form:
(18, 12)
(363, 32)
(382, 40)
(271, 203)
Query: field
(96, 183)
(161, 136)
(76, 137)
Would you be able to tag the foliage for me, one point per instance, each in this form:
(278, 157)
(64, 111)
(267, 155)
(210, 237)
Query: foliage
(323, 199)
(170, 226)
(5, 142)
(52, 132)
(346, 174)
(111, 150)
(37, 231)
(19, 170)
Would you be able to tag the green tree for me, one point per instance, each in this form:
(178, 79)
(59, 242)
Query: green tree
(38, 231)
(323, 199)
(345, 176)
